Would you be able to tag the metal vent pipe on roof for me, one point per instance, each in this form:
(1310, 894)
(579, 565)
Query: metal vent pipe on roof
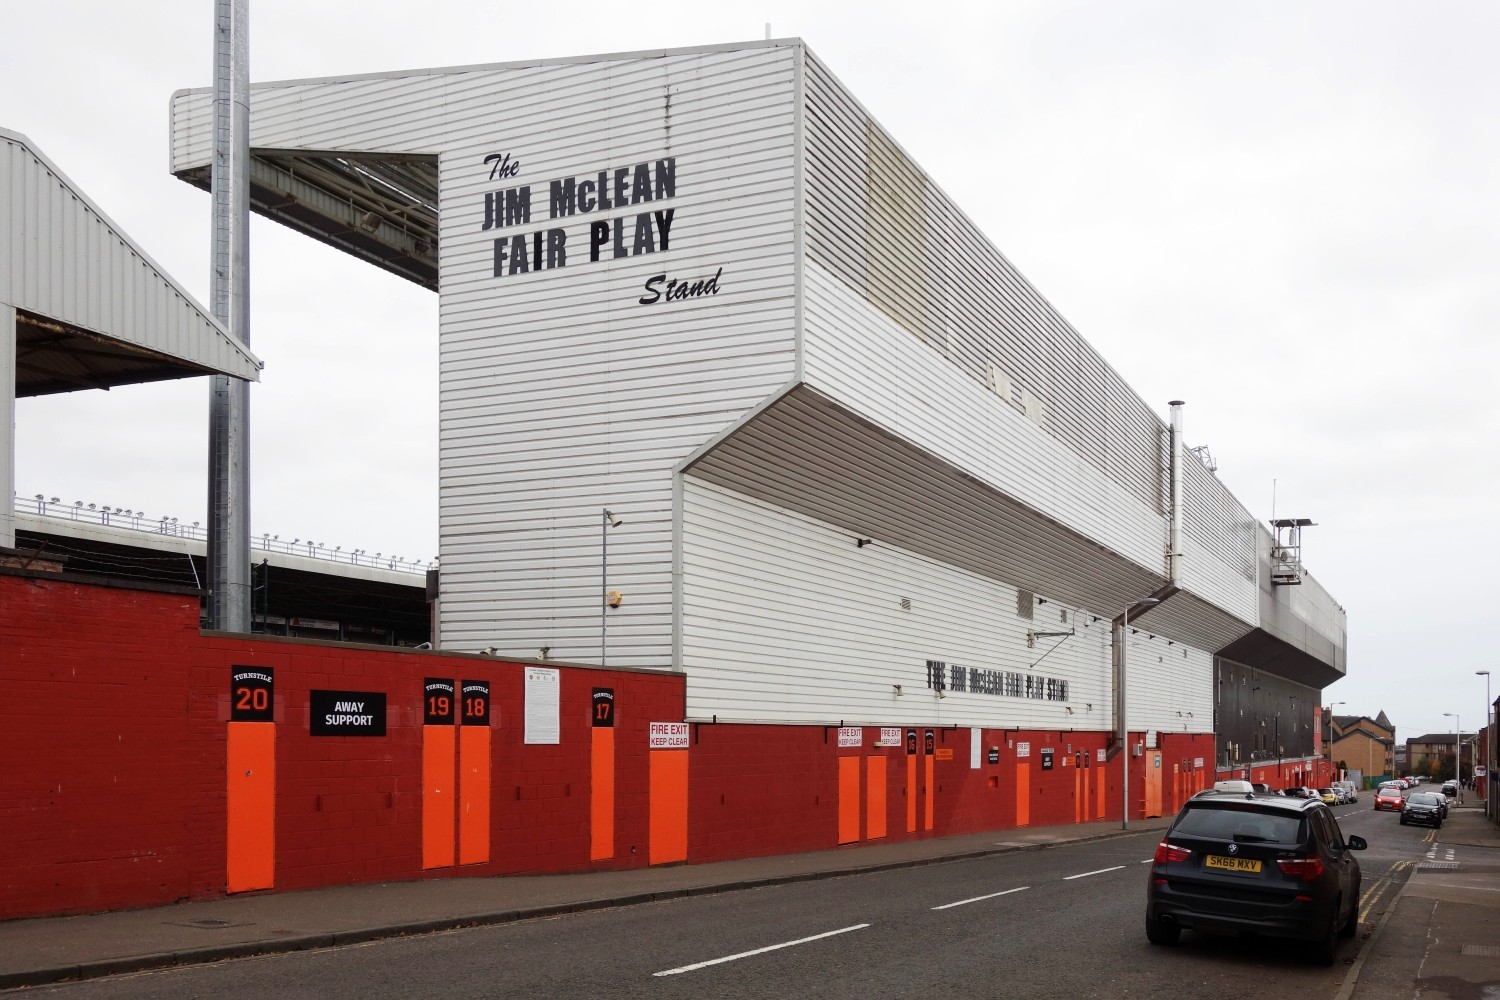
(1174, 541)
(229, 398)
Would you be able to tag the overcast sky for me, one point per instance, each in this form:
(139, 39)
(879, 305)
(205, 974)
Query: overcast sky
(1283, 213)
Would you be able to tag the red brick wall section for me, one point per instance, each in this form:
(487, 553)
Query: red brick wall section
(757, 790)
(106, 768)
(113, 714)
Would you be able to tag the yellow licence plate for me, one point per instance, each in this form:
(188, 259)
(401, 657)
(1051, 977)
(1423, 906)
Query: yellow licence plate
(1231, 864)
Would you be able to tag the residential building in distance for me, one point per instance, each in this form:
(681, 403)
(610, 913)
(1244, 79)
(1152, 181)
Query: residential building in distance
(1438, 745)
(1363, 744)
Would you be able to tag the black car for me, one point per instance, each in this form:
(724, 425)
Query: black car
(1253, 862)
(1424, 807)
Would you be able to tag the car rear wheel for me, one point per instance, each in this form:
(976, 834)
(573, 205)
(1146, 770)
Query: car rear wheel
(1325, 948)
(1160, 933)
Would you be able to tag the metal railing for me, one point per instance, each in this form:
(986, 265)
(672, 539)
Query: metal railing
(137, 520)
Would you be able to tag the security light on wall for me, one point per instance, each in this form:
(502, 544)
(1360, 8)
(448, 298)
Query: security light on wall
(613, 598)
(614, 520)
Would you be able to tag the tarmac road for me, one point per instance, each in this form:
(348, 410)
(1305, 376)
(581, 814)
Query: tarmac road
(1059, 923)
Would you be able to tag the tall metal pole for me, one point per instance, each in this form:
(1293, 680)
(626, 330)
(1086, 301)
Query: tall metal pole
(229, 586)
(1489, 745)
(1123, 717)
(1124, 724)
(1458, 774)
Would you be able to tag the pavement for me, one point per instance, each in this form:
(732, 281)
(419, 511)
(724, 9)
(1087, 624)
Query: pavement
(1440, 937)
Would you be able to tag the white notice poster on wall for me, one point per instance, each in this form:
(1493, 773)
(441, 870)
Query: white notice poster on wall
(1101, 756)
(543, 687)
(851, 736)
(1023, 749)
(975, 754)
(890, 736)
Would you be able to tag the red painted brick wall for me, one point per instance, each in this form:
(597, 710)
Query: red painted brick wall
(757, 790)
(114, 711)
(113, 715)
(106, 766)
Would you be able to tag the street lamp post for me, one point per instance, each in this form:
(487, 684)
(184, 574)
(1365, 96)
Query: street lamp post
(1329, 747)
(1144, 602)
(1489, 743)
(1458, 774)
(1276, 737)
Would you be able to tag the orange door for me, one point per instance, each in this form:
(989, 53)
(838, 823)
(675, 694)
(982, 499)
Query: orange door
(848, 800)
(1100, 791)
(911, 793)
(602, 795)
(875, 798)
(669, 805)
(929, 792)
(1023, 794)
(474, 795)
(439, 775)
(251, 795)
(1152, 806)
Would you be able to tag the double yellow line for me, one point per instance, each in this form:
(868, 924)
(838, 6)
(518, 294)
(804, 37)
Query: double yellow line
(1375, 893)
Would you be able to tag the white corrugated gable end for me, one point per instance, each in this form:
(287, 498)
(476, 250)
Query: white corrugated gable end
(562, 393)
(63, 259)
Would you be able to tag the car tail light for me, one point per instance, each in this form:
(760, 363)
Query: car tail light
(1166, 852)
(1307, 869)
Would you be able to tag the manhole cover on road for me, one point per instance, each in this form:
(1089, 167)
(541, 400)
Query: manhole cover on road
(1482, 950)
(1437, 866)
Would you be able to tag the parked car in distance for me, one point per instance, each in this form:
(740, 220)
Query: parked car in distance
(1388, 796)
(1260, 786)
(1350, 790)
(1329, 796)
(1450, 789)
(1262, 863)
(1296, 792)
(1423, 807)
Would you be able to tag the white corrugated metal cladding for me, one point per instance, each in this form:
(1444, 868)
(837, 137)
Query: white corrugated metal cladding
(703, 289)
(63, 260)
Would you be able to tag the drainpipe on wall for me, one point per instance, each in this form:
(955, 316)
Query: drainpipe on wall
(1174, 539)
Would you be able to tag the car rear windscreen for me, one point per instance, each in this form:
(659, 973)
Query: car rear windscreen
(1243, 825)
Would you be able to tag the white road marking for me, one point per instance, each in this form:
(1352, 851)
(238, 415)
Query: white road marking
(1101, 871)
(1148, 861)
(758, 951)
(976, 899)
